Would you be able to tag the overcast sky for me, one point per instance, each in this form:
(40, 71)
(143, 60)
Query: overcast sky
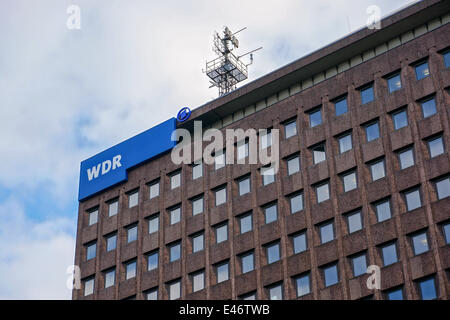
(68, 94)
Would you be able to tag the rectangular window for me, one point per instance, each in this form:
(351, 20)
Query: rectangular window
(242, 149)
(113, 208)
(152, 261)
(319, 154)
(197, 171)
(331, 276)
(91, 251)
(383, 210)
(89, 286)
(175, 290)
(152, 294)
(413, 200)
(248, 296)
(219, 160)
(367, 94)
(428, 107)
(389, 254)
(265, 140)
(175, 215)
(340, 106)
(323, 192)
(198, 281)
(174, 251)
(420, 243)
(299, 241)
(268, 175)
(110, 277)
(446, 230)
(293, 165)
(436, 146)
(290, 129)
(372, 131)
(132, 233)
(406, 158)
(443, 188)
(326, 231)
(222, 272)
(400, 119)
(394, 82)
(427, 288)
(248, 262)
(198, 241)
(296, 202)
(273, 253)
(349, 181)
(153, 224)
(303, 284)
(359, 264)
(111, 242)
(222, 233)
(276, 292)
(246, 223)
(154, 190)
(377, 170)
(130, 270)
(175, 180)
(345, 143)
(271, 213)
(197, 205)
(446, 56)
(395, 294)
(244, 186)
(422, 70)
(93, 216)
(221, 196)
(133, 199)
(315, 118)
(354, 221)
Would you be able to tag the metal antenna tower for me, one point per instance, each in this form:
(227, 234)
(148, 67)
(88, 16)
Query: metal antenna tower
(227, 69)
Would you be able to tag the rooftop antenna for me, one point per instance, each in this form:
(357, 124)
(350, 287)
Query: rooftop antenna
(227, 69)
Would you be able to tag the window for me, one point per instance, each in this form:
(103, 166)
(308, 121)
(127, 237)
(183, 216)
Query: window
(268, 175)
(446, 56)
(222, 272)
(315, 118)
(242, 149)
(413, 199)
(446, 230)
(175, 215)
(383, 210)
(436, 146)
(400, 119)
(244, 186)
(359, 265)
(326, 232)
(293, 165)
(367, 94)
(175, 290)
(132, 233)
(427, 288)
(395, 294)
(111, 242)
(389, 254)
(130, 270)
(247, 262)
(323, 192)
(91, 250)
(394, 82)
(219, 160)
(266, 139)
(406, 158)
(197, 171)
(290, 129)
(246, 223)
(354, 221)
(372, 131)
(377, 170)
(152, 261)
(319, 154)
(345, 143)
(133, 199)
(222, 233)
(349, 181)
(113, 208)
(93, 216)
(153, 224)
(197, 242)
(175, 251)
(89, 286)
(154, 189)
(303, 285)
(273, 253)
(296, 202)
(110, 277)
(198, 281)
(420, 243)
(152, 294)
(330, 275)
(340, 106)
(221, 196)
(299, 241)
(271, 213)
(428, 107)
(276, 292)
(197, 205)
(249, 296)
(175, 180)
(422, 70)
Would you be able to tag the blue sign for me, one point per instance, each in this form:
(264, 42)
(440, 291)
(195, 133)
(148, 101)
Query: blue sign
(183, 114)
(109, 167)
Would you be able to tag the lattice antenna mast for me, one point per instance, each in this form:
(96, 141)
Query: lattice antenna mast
(227, 69)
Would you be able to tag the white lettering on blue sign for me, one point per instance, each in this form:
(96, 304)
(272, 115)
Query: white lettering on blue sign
(106, 166)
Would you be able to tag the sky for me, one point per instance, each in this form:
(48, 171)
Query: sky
(67, 94)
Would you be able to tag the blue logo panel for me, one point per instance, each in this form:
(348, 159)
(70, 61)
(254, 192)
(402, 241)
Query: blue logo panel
(109, 167)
